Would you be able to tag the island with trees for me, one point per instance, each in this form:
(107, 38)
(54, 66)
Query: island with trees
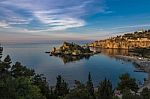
(69, 52)
(72, 49)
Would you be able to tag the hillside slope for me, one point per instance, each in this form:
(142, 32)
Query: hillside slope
(139, 39)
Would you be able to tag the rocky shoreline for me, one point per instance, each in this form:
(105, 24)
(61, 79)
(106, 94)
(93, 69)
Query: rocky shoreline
(143, 66)
(139, 39)
(71, 49)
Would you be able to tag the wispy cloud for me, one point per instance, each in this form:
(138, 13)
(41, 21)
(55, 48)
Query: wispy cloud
(58, 22)
(131, 26)
(10, 15)
(3, 24)
(72, 18)
(17, 20)
(51, 16)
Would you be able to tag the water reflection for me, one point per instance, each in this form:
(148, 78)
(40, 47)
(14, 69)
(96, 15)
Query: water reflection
(101, 66)
(68, 59)
(109, 52)
(113, 52)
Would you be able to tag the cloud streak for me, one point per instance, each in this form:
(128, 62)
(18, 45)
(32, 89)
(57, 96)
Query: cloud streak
(3, 24)
(58, 22)
(131, 26)
(49, 15)
(72, 18)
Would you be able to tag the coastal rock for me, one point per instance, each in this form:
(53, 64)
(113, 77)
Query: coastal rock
(71, 49)
(127, 41)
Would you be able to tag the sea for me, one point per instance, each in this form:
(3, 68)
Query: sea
(101, 66)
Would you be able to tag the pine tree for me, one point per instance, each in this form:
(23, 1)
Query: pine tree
(1, 51)
(126, 82)
(58, 86)
(41, 82)
(89, 86)
(52, 95)
(18, 70)
(61, 87)
(145, 93)
(7, 62)
(4, 67)
(105, 90)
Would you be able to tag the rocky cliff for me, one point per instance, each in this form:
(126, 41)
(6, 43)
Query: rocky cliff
(140, 39)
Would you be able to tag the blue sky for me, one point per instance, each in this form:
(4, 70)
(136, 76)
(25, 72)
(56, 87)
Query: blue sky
(22, 20)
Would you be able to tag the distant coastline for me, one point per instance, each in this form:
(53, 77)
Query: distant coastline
(45, 42)
(138, 39)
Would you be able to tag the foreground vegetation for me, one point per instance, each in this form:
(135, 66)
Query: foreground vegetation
(20, 82)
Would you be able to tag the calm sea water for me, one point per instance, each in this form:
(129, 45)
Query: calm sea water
(101, 65)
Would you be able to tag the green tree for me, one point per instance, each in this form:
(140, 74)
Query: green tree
(61, 87)
(105, 90)
(41, 82)
(126, 94)
(126, 82)
(6, 63)
(89, 85)
(4, 67)
(1, 51)
(16, 82)
(52, 94)
(79, 92)
(145, 93)
(20, 88)
(18, 70)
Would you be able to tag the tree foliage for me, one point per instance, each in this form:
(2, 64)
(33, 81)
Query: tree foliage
(105, 90)
(18, 70)
(19, 88)
(61, 87)
(145, 93)
(126, 82)
(89, 85)
(79, 92)
(16, 82)
(41, 82)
